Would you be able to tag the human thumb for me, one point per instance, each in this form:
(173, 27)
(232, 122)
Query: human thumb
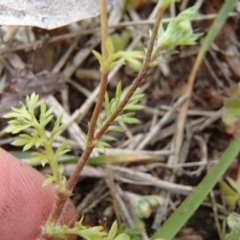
(25, 205)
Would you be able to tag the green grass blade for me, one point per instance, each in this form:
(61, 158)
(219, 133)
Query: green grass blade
(95, 160)
(191, 203)
(216, 26)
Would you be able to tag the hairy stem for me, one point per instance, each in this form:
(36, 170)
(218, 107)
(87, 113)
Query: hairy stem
(61, 199)
(160, 12)
(98, 107)
(146, 66)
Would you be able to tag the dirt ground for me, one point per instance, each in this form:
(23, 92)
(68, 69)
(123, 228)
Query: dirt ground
(59, 66)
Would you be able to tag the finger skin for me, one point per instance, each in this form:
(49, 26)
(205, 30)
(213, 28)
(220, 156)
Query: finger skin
(24, 204)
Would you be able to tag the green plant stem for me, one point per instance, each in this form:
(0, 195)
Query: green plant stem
(98, 107)
(49, 152)
(160, 12)
(53, 163)
(104, 28)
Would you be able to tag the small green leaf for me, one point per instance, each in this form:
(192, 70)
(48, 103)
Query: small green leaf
(133, 107)
(108, 138)
(21, 113)
(19, 142)
(109, 46)
(102, 145)
(226, 189)
(46, 120)
(232, 113)
(28, 145)
(132, 101)
(115, 63)
(113, 230)
(31, 102)
(99, 121)
(62, 149)
(57, 127)
(17, 129)
(129, 114)
(118, 93)
(130, 120)
(120, 41)
(107, 105)
(172, 51)
(234, 184)
(14, 122)
(62, 127)
(48, 181)
(136, 54)
(179, 31)
(45, 114)
(136, 96)
(99, 57)
(122, 236)
(61, 169)
(11, 115)
(93, 233)
(231, 200)
(113, 104)
(127, 119)
(115, 128)
(10, 128)
(58, 121)
(166, 3)
(233, 221)
(43, 108)
(133, 58)
(235, 91)
(143, 205)
(38, 157)
(135, 64)
(50, 111)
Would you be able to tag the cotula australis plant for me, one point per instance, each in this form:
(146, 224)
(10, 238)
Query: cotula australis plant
(122, 108)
